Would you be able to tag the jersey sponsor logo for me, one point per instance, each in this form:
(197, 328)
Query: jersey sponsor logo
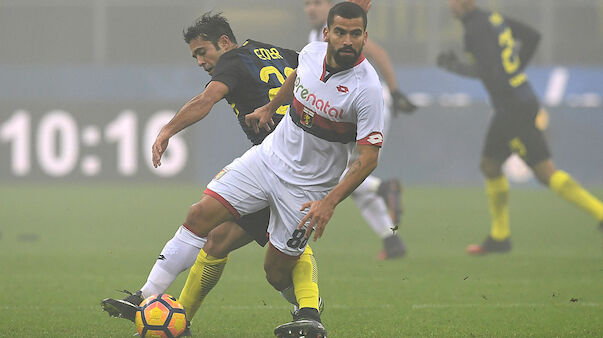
(161, 258)
(343, 89)
(307, 117)
(316, 101)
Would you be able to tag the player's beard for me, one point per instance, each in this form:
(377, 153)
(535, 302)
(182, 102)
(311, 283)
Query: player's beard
(346, 60)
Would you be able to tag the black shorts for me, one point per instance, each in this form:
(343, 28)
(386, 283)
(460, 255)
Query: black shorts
(256, 225)
(515, 132)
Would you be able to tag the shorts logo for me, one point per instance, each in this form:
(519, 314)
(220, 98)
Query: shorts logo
(307, 117)
(375, 139)
(343, 89)
(220, 174)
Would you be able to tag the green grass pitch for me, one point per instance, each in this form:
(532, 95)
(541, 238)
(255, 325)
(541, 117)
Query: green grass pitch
(64, 248)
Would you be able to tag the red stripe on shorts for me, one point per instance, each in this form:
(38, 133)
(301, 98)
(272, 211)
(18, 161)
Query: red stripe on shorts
(224, 202)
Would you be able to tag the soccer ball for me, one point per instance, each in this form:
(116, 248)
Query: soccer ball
(160, 316)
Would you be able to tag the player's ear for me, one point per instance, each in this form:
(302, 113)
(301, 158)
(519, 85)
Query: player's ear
(223, 41)
(325, 34)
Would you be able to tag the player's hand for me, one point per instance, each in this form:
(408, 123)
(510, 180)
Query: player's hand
(317, 217)
(447, 60)
(260, 118)
(400, 103)
(365, 4)
(159, 147)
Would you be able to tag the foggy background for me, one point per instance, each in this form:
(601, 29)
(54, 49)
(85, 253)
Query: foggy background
(85, 85)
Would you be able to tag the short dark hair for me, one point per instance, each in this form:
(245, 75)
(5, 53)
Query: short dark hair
(210, 28)
(348, 10)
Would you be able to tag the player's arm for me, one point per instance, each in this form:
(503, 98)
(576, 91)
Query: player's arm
(384, 64)
(262, 117)
(193, 111)
(365, 4)
(529, 38)
(448, 60)
(321, 211)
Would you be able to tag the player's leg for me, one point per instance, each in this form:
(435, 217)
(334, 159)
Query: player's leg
(539, 159)
(563, 184)
(279, 269)
(177, 255)
(210, 263)
(497, 193)
(289, 261)
(495, 151)
(374, 210)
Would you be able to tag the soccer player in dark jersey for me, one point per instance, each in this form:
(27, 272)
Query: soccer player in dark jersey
(247, 76)
(499, 50)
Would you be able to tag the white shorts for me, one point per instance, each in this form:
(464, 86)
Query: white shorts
(247, 185)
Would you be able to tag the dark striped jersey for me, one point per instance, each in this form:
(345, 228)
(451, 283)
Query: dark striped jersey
(501, 48)
(253, 74)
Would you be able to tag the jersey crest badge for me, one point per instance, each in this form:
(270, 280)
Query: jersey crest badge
(220, 174)
(307, 117)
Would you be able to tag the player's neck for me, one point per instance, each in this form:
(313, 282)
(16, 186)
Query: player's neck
(230, 47)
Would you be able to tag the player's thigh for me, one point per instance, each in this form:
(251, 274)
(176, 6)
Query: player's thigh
(496, 145)
(285, 216)
(256, 225)
(240, 186)
(534, 142)
(226, 238)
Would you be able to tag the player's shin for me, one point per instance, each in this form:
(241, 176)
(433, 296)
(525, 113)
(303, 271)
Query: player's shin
(563, 184)
(497, 190)
(177, 255)
(305, 280)
(203, 276)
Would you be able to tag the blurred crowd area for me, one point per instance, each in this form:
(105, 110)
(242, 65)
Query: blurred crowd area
(116, 32)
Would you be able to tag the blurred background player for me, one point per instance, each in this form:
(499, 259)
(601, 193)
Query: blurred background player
(499, 49)
(373, 197)
(246, 76)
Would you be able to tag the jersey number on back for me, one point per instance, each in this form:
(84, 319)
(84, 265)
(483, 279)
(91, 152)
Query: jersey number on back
(265, 77)
(509, 57)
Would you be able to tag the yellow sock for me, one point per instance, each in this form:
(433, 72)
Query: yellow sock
(563, 184)
(305, 280)
(497, 190)
(203, 276)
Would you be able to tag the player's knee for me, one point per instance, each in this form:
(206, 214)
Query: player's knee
(489, 169)
(216, 245)
(194, 219)
(543, 178)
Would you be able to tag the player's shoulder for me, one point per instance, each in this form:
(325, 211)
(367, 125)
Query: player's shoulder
(366, 73)
(316, 47)
(252, 46)
(479, 18)
(267, 51)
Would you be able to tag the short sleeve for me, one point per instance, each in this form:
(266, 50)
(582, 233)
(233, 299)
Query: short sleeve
(369, 126)
(228, 70)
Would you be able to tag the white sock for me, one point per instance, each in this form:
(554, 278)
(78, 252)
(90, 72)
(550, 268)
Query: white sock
(373, 209)
(178, 254)
(370, 184)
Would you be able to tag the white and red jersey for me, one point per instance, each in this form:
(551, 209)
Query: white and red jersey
(310, 145)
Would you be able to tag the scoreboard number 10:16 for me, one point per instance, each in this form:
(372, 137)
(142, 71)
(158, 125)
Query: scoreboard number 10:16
(58, 140)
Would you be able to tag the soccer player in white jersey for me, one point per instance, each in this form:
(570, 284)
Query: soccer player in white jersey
(336, 101)
(374, 196)
(296, 170)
